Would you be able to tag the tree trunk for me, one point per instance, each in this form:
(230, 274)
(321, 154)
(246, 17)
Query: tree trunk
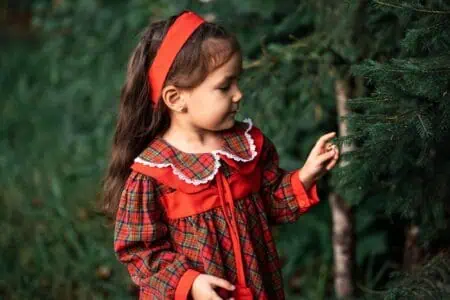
(412, 251)
(343, 236)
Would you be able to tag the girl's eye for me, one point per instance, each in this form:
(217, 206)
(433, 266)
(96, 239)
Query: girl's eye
(225, 88)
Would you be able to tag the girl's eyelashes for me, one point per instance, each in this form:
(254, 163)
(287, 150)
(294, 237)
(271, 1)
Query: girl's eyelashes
(225, 88)
(227, 84)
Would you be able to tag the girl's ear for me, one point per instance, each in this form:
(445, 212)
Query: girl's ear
(171, 95)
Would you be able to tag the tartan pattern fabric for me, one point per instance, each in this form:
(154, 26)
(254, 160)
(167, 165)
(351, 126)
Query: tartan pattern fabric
(194, 166)
(235, 141)
(199, 166)
(158, 250)
(281, 204)
(141, 240)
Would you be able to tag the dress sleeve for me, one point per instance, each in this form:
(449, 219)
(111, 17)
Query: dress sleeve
(284, 195)
(141, 243)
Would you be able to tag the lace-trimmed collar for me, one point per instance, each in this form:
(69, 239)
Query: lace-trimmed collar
(200, 168)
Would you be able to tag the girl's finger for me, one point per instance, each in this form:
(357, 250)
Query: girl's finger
(335, 159)
(216, 281)
(331, 164)
(325, 156)
(322, 140)
(328, 147)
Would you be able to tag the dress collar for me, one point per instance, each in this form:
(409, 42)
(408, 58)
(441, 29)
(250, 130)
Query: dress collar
(199, 168)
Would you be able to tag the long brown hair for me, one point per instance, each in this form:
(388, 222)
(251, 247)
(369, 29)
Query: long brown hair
(139, 121)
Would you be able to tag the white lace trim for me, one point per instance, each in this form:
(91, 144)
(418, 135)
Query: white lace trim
(216, 156)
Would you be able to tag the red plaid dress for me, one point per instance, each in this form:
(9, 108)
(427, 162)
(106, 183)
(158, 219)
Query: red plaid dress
(183, 214)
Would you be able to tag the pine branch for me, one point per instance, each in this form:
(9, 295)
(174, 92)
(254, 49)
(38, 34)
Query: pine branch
(429, 282)
(442, 12)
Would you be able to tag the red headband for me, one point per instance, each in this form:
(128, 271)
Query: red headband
(176, 37)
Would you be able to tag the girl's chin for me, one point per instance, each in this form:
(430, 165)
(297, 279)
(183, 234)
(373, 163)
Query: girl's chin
(231, 120)
(227, 124)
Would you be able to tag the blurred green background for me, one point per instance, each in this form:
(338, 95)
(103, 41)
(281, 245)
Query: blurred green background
(62, 66)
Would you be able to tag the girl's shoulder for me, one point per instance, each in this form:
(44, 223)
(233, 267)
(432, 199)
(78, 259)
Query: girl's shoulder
(241, 149)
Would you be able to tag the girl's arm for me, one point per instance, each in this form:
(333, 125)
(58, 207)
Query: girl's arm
(140, 242)
(285, 197)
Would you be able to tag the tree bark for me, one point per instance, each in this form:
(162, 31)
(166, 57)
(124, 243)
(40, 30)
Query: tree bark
(342, 232)
(412, 251)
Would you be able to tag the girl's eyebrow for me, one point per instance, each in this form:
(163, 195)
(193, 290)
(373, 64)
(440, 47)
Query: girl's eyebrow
(226, 79)
(223, 80)
(231, 76)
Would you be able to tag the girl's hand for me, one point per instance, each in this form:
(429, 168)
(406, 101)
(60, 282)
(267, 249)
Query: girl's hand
(321, 159)
(203, 287)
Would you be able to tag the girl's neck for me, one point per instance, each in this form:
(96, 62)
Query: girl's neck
(189, 139)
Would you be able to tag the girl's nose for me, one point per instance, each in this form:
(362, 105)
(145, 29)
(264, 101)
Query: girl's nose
(237, 96)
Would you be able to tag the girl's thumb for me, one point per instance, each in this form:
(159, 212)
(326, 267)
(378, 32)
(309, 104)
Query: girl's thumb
(216, 281)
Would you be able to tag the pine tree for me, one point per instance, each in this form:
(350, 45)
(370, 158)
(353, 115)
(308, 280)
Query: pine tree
(403, 131)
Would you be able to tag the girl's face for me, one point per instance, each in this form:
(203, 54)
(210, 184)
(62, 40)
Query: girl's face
(213, 104)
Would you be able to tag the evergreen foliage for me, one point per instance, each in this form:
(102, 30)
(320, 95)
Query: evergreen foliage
(60, 94)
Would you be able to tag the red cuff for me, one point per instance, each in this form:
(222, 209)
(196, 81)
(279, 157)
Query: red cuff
(305, 199)
(185, 284)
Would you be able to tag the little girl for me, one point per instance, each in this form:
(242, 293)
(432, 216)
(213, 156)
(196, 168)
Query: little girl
(193, 191)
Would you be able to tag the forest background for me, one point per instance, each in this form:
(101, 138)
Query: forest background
(376, 72)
